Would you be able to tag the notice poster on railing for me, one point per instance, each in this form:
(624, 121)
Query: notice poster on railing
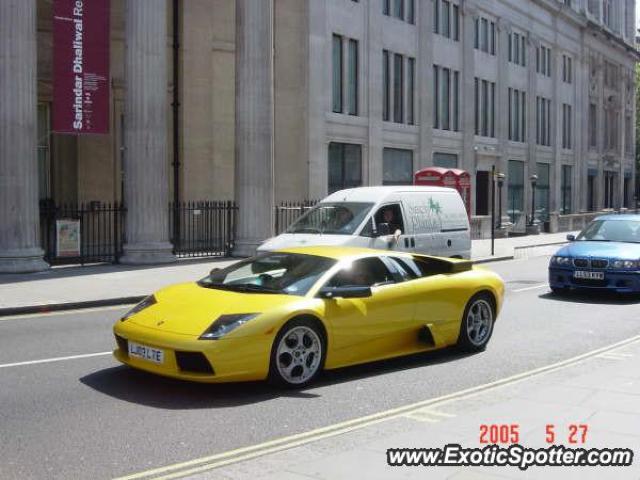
(81, 66)
(67, 238)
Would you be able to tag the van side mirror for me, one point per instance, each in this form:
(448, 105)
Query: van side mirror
(344, 292)
(383, 229)
(571, 238)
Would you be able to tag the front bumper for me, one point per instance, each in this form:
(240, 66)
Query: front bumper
(231, 359)
(614, 281)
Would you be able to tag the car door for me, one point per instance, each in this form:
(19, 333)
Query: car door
(369, 328)
(440, 297)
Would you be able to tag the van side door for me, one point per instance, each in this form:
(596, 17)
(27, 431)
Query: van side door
(393, 214)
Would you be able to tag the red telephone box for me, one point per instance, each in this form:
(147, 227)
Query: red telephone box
(447, 177)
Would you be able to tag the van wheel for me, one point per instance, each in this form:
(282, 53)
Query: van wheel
(477, 323)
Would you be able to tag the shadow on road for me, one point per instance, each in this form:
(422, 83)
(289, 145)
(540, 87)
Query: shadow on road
(135, 386)
(597, 298)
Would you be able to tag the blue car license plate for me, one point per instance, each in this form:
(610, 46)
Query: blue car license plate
(588, 275)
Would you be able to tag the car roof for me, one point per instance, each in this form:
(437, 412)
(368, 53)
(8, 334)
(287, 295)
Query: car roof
(339, 252)
(621, 216)
(376, 194)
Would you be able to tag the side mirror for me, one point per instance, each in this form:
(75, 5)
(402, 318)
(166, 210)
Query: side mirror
(571, 238)
(214, 270)
(383, 229)
(344, 292)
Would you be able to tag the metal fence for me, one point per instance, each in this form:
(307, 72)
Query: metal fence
(288, 212)
(82, 233)
(203, 228)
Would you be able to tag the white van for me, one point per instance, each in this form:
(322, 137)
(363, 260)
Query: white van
(429, 220)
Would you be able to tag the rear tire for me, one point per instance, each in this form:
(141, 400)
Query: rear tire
(297, 354)
(477, 323)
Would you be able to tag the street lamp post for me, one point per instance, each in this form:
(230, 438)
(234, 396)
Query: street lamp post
(500, 177)
(534, 181)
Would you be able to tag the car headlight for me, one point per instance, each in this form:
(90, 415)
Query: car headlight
(225, 324)
(146, 303)
(561, 261)
(624, 264)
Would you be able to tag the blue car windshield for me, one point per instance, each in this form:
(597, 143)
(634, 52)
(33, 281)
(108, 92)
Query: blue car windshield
(341, 218)
(612, 231)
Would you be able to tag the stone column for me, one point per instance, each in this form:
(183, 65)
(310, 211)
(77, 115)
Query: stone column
(19, 229)
(254, 124)
(146, 163)
(424, 86)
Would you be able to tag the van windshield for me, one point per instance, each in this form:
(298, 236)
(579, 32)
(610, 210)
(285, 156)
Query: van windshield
(341, 218)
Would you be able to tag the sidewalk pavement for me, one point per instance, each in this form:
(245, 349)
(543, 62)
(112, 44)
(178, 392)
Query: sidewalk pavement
(601, 391)
(98, 285)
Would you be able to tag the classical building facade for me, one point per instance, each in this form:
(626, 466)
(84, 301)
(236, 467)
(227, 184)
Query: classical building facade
(286, 100)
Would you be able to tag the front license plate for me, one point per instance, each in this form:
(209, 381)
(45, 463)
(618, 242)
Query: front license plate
(154, 355)
(588, 275)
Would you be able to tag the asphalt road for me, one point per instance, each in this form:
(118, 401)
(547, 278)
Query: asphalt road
(87, 417)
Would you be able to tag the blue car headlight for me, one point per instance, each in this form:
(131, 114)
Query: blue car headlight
(560, 261)
(225, 324)
(146, 303)
(624, 264)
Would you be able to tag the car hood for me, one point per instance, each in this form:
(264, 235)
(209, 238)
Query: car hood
(630, 251)
(189, 309)
(289, 240)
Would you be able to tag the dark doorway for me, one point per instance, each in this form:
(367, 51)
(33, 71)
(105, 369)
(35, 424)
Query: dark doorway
(482, 193)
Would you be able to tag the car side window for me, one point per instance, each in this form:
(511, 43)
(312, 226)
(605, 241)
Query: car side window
(391, 214)
(407, 267)
(366, 272)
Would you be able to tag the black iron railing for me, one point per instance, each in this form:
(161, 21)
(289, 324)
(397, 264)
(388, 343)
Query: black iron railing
(288, 212)
(203, 228)
(82, 233)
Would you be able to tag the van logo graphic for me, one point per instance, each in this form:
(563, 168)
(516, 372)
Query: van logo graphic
(434, 206)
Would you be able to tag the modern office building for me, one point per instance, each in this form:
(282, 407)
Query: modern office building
(287, 100)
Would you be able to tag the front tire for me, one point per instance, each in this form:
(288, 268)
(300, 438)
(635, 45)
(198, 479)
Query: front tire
(297, 354)
(477, 323)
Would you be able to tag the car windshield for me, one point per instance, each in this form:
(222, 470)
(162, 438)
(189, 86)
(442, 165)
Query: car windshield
(332, 218)
(612, 231)
(280, 273)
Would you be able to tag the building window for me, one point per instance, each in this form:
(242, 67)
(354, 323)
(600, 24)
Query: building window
(543, 121)
(591, 191)
(628, 135)
(352, 98)
(611, 130)
(398, 9)
(543, 61)
(485, 35)
(542, 192)
(455, 23)
(609, 188)
(386, 85)
(446, 98)
(44, 151)
(567, 69)
(397, 166)
(398, 88)
(593, 122)
(345, 166)
(515, 190)
(337, 73)
(485, 107)
(517, 49)
(445, 160)
(386, 7)
(565, 189)
(517, 115)
(610, 75)
(567, 121)
(411, 11)
(446, 19)
(411, 96)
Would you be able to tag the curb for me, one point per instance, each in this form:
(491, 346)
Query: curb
(59, 307)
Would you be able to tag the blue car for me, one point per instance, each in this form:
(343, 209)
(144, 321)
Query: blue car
(604, 256)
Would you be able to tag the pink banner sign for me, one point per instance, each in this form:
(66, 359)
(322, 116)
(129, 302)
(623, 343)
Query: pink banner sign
(81, 66)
